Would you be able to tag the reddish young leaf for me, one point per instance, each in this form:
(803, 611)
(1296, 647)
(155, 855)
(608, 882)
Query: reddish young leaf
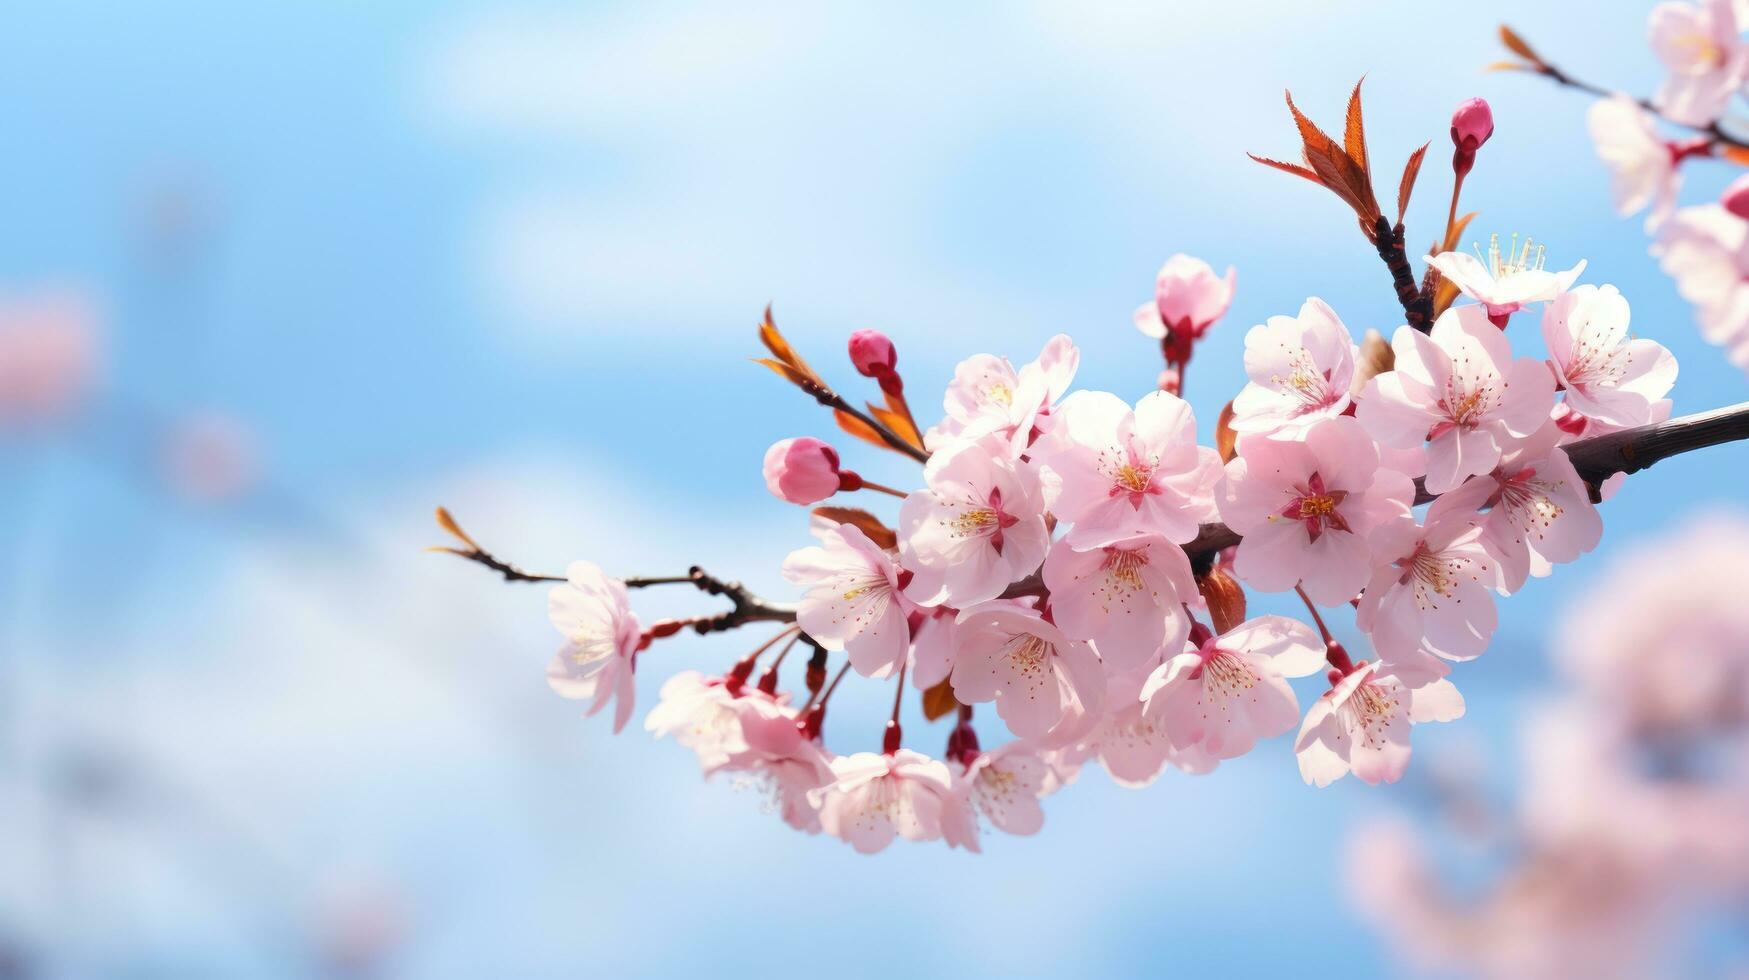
(1516, 45)
(780, 348)
(1226, 600)
(1226, 440)
(1354, 132)
(447, 522)
(882, 535)
(939, 701)
(1292, 168)
(858, 428)
(1411, 170)
(899, 422)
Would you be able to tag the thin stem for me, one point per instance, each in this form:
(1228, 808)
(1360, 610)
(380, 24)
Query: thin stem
(1712, 129)
(879, 488)
(768, 644)
(834, 685)
(1457, 187)
(1316, 618)
(899, 694)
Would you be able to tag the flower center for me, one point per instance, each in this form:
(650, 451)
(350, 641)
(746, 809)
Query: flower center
(1225, 676)
(1027, 654)
(1504, 265)
(1367, 711)
(1530, 502)
(1123, 566)
(1316, 507)
(1305, 382)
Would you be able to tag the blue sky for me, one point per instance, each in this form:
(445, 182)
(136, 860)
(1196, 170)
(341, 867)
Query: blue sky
(510, 259)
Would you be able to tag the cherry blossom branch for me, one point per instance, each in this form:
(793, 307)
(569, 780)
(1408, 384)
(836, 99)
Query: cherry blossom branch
(1596, 459)
(1537, 65)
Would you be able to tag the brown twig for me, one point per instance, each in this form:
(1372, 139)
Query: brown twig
(1712, 130)
(1595, 459)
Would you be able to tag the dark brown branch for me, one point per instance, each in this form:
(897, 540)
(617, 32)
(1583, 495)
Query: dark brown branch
(1596, 459)
(1417, 309)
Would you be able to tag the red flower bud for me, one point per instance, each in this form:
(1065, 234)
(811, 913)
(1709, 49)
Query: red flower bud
(872, 353)
(1736, 197)
(802, 471)
(1472, 122)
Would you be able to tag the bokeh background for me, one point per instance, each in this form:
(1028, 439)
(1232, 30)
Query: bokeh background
(343, 262)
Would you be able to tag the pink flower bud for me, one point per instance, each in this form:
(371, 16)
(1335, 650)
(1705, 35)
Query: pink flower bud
(1188, 297)
(802, 471)
(1736, 197)
(872, 353)
(1472, 122)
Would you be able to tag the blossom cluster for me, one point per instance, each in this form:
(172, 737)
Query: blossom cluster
(1703, 247)
(1631, 819)
(1049, 565)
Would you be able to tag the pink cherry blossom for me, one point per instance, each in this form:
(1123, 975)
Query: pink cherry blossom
(1459, 389)
(1003, 786)
(1301, 368)
(1606, 375)
(1541, 512)
(1132, 746)
(1706, 250)
(852, 602)
(802, 471)
(1704, 56)
(601, 636)
(1642, 164)
(932, 645)
(989, 396)
(1121, 474)
(1361, 724)
(48, 357)
(874, 797)
(1505, 282)
(1188, 298)
(1306, 509)
(977, 528)
(787, 765)
(711, 716)
(1229, 691)
(1127, 598)
(1039, 678)
(1432, 588)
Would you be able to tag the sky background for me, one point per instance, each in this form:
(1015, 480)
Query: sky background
(510, 259)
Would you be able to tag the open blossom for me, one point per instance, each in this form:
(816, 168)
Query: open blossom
(1120, 474)
(1039, 678)
(1229, 691)
(1706, 59)
(852, 602)
(1133, 747)
(1432, 590)
(601, 636)
(1505, 283)
(1127, 598)
(1706, 250)
(1004, 785)
(1459, 389)
(1306, 509)
(988, 395)
(1188, 297)
(1606, 375)
(1642, 164)
(712, 716)
(1362, 725)
(977, 528)
(785, 763)
(1301, 369)
(1540, 511)
(875, 797)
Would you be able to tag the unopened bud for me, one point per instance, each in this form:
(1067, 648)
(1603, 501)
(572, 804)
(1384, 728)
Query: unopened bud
(802, 471)
(1472, 122)
(1736, 197)
(872, 353)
